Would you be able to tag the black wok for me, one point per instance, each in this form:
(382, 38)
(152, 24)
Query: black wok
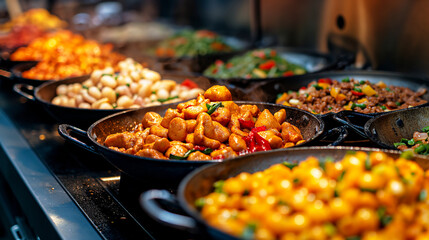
(200, 183)
(267, 92)
(199, 62)
(15, 74)
(311, 61)
(81, 117)
(168, 171)
(387, 129)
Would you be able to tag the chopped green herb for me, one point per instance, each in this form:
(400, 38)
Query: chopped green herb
(114, 105)
(116, 77)
(283, 203)
(117, 95)
(290, 165)
(368, 164)
(249, 231)
(153, 92)
(362, 82)
(167, 99)
(127, 84)
(385, 220)
(322, 164)
(340, 178)
(345, 80)
(218, 186)
(423, 195)
(381, 211)
(106, 74)
(199, 203)
(85, 87)
(336, 193)
(398, 103)
(329, 229)
(383, 107)
(317, 87)
(425, 129)
(368, 190)
(407, 154)
(246, 192)
(295, 180)
(329, 108)
(357, 89)
(212, 108)
(186, 155)
(388, 89)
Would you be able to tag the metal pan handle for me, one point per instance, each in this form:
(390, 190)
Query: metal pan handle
(342, 135)
(148, 201)
(65, 131)
(358, 129)
(5, 74)
(21, 89)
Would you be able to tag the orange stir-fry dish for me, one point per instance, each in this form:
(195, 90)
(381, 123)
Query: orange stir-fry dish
(65, 54)
(38, 17)
(209, 127)
(364, 196)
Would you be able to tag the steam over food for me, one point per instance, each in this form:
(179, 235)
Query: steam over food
(209, 127)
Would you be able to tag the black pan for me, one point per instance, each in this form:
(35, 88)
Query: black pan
(15, 74)
(267, 92)
(200, 183)
(310, 60)
(387, 129)
(169, 171)
(83, 118)
(199, 62)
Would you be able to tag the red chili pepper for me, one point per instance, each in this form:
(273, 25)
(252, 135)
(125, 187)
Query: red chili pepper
(325, 80)
(218, 157)
(189, 83)
(218, 62)
(303, 88)
(246, 123)
(267, 65)
(199, 148)
(265, 145)
(357, 93)
(288, 73)
(258, 129)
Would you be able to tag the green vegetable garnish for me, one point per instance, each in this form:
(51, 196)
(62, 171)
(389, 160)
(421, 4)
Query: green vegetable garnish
(383, 107)
(398, 103)
(199, 203)
(206, 151)
(426, 129)
(290, 165)
(388, 89)
(167, 99)
(357, 89)
(317, 87)
(423, 195)
(212, 108)
(249, 231)
(340, 178)
(345, 80)
(218, 186)
(407, 154)
(322, 164)
(106, 74)
(85, 87)
(368, 164)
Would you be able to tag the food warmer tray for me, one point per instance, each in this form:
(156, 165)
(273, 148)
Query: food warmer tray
(66, 192)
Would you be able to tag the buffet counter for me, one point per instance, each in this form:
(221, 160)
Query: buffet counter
(56, 190)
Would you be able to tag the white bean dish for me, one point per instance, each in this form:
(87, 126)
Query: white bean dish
(133, 87)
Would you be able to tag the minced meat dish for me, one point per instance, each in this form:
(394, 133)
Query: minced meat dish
(327, 95)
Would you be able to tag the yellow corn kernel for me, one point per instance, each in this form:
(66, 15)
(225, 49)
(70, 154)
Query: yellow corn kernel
(334, 92)
(309, 98)
(324, 85)
(368, 90)
(259, 73)
(381, 84)
(363, 100)
(340, 97)
(282, 98)
(348, 106)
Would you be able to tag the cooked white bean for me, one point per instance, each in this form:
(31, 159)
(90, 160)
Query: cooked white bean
(96, 75)
(76, 87)
(135, 75)
(71, 102)
(94, 92)
(71, 94)
(151, 75)
(124, 102)
(156, 86)
(56, 100)
(153, 97)
(87, 97)
(98, 103)
(174, 93)
(162, 94)
(108, 70)
(169, 85)
(79, 99)
(145, 90)
(88, 83)
(108, 81)
(193, 93)
(62, 89)
(124, 90)
(134, 87)
(105, 106)
(135, 106)
(85, 105)
(109, 93)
